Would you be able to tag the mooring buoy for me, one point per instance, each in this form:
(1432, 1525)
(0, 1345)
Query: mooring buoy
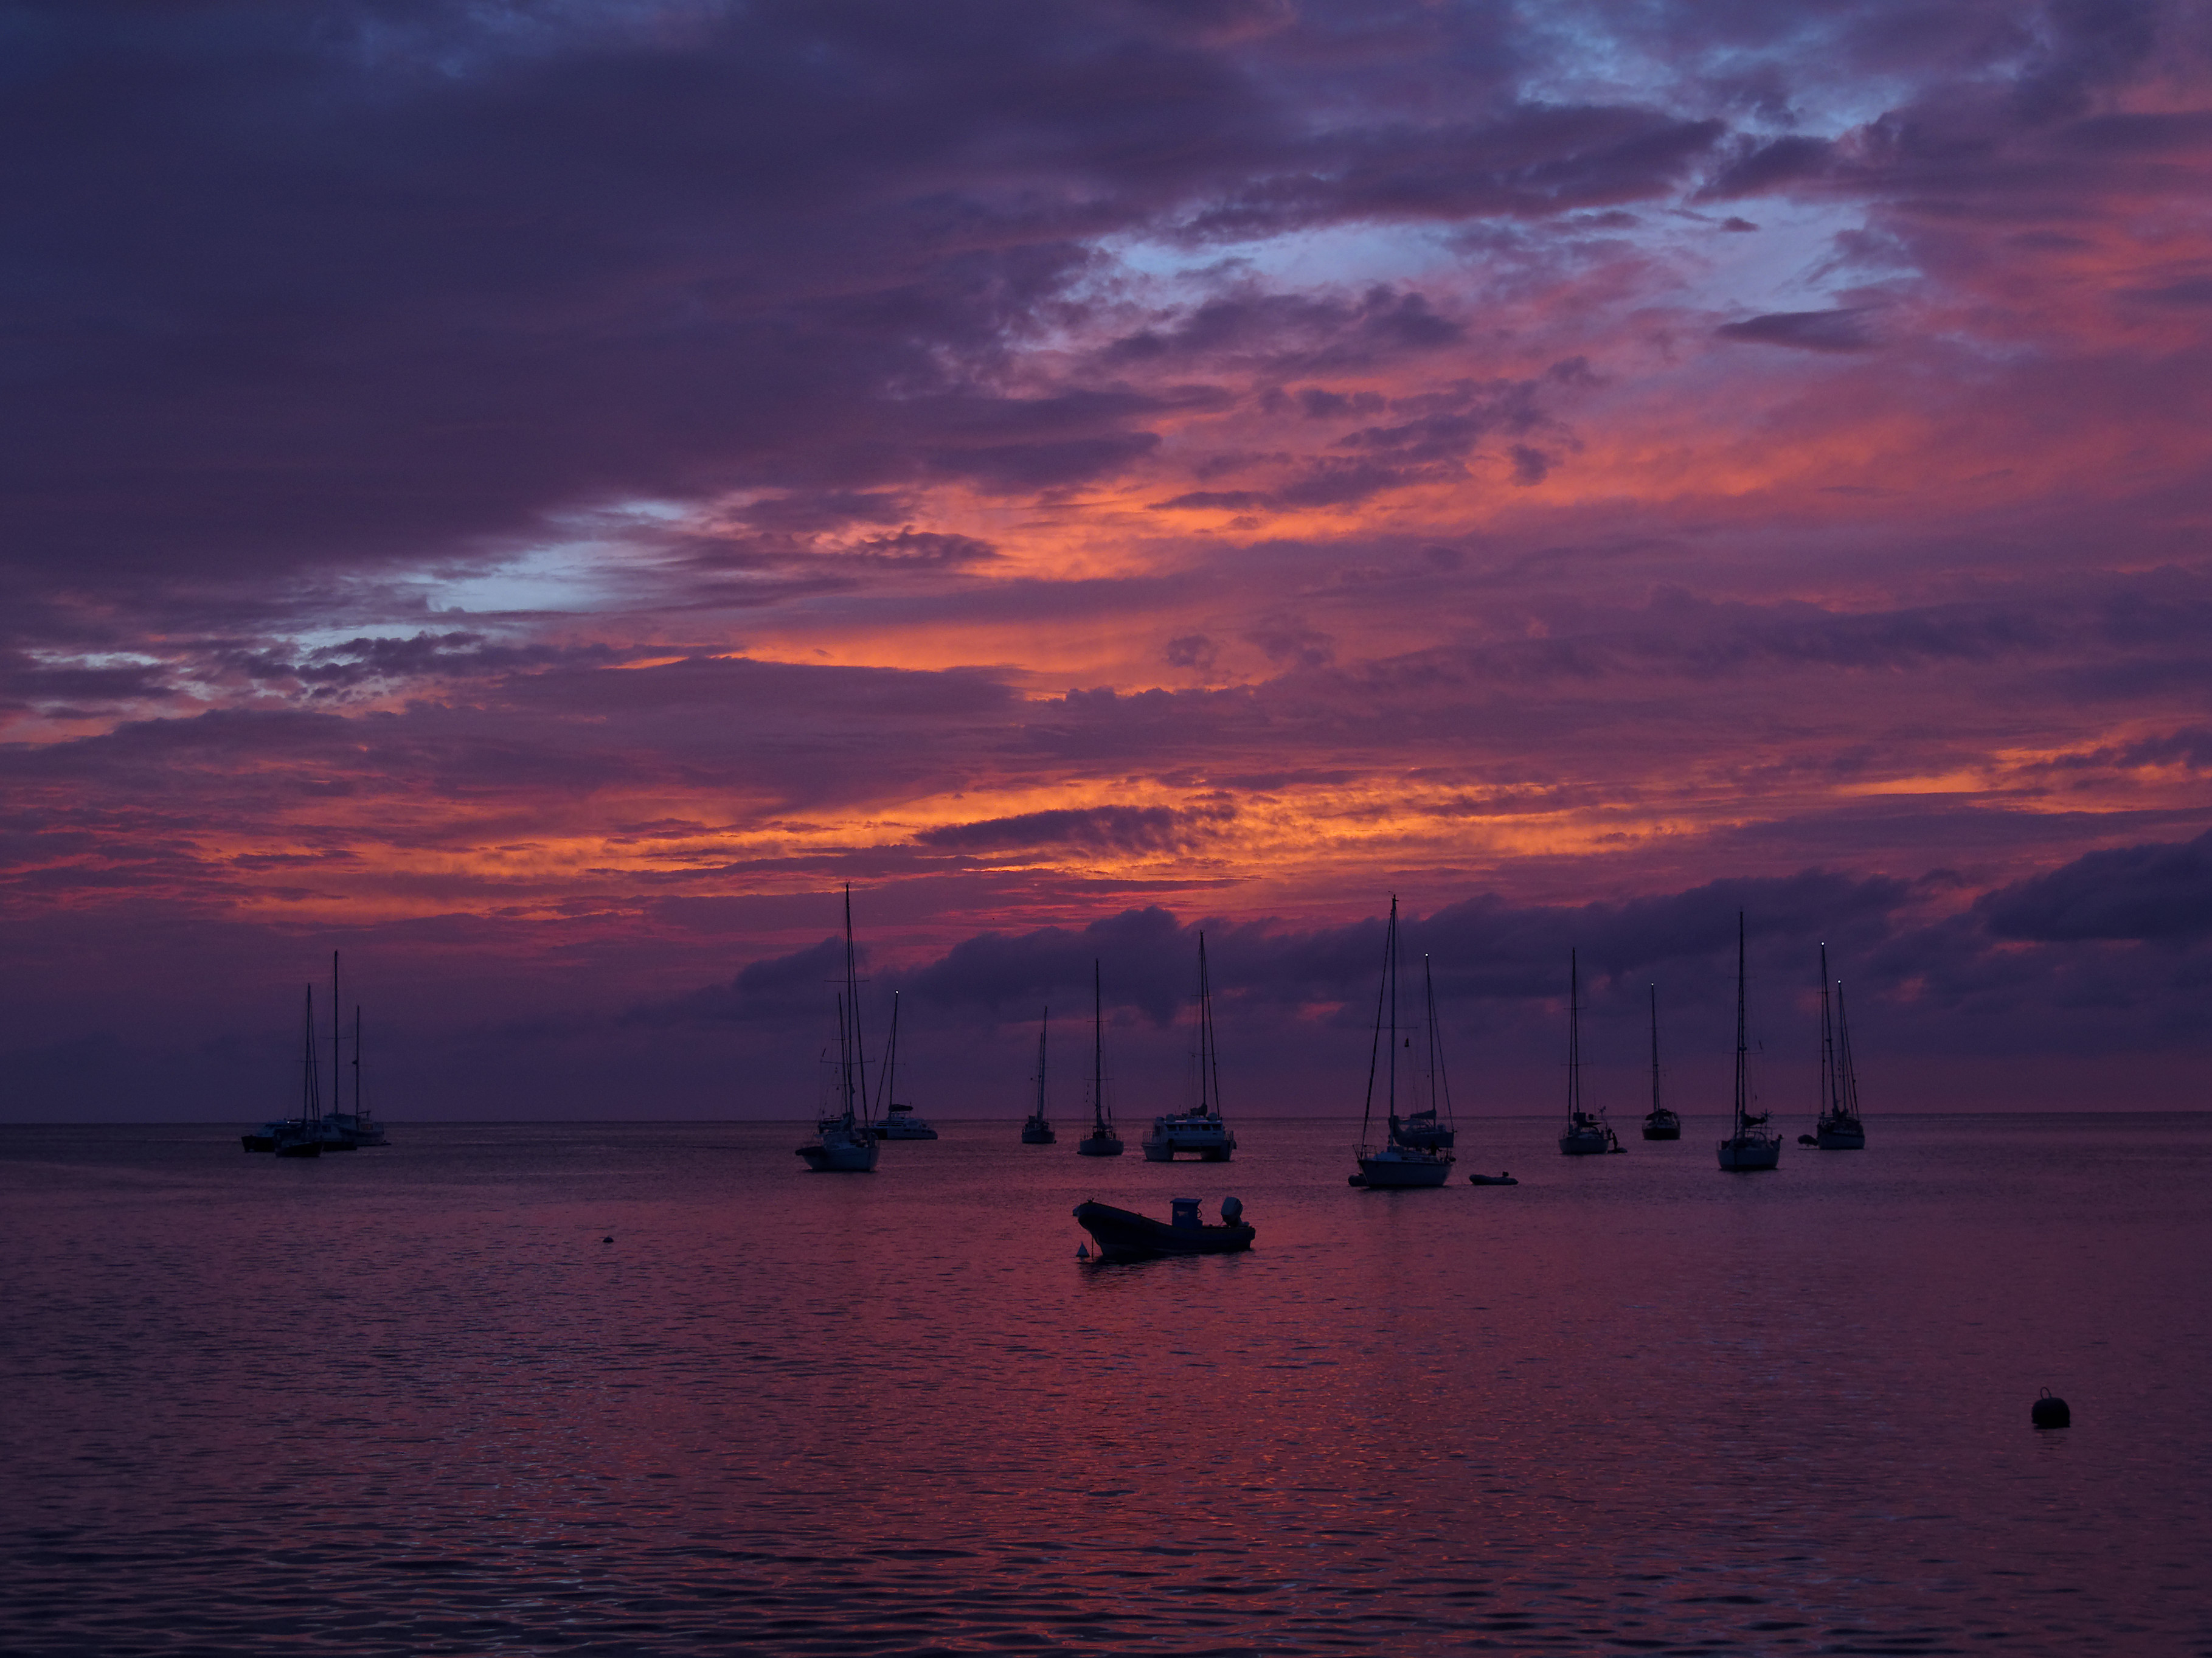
(2049, 1412)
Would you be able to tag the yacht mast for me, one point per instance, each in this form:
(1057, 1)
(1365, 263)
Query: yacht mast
(1574, 1039)
(1742, 1046)
(1655, 1048)
(1439, 1083)
(1097, 1051)
(1383, 998)
(1828, 1089)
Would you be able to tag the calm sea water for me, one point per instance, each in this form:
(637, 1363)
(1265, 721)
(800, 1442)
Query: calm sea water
(409, 1401)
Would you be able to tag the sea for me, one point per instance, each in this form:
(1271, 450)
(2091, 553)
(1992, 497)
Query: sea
(652, 1388)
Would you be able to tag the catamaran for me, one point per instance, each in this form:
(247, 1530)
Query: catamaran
(1659, 1122)
(1198, 1130)
(1839, 1128)
(846, 1144)
(1038, 1130)
(1752, 1145)
(898, 1122)
(1586, 1133)
(1101, 1141)
(1396, 1163)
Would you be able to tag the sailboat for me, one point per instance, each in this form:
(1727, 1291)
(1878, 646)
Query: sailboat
(898, 1121)
(335, 1137)
(1038, 1130)
(1752, 1145)
(302, 1136)
(846, 1144)
(1839, 1128)
(359, 1126)
(1397, 1164)
(1586, 1133)
(1200, 1130)
(1659, 1123)
(1101, 1141)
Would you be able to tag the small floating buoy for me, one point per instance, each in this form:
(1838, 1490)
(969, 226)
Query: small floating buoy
(1083, 1252)
(1807, 1139)
(606, 1240)
(1355, 1180)
(2049, 1412)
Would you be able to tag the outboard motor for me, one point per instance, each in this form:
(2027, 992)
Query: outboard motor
(1232, 1210)
(1186, 1211)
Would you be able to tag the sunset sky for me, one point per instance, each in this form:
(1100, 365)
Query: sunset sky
(539, 497)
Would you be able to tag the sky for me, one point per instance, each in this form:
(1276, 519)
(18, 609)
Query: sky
(539, 498)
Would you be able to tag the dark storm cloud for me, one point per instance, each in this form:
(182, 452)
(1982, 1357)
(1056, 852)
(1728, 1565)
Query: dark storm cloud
(1843, 330)
(2162, 892)
(1118, 829)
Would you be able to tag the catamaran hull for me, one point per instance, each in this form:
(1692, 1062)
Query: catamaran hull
(1124, 1235)
(1093, 1145)
(1392, 1174)
(1750, 1153)
(1169, 1151)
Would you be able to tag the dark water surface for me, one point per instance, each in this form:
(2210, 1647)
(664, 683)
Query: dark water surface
(407, 1402)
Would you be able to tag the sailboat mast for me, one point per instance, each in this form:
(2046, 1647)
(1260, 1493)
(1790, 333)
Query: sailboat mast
(858, 1082)
(311, 1100)
(1743, 1045)
(1097, 1051)
(1827, 1044)
(1655, 1048)
(337, 1037)
(1209, 1056)
(1043, 1025)
(844, 1058)
(890, 1060)
(1439, 1089)
(1390, 973)
(1845, 1070)
(1375, 1052)
(357, 1061)
(1574, 1036)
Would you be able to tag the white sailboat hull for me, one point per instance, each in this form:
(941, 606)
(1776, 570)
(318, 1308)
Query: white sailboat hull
(1396, 1169)
(841, 1151)
(1745, 1153)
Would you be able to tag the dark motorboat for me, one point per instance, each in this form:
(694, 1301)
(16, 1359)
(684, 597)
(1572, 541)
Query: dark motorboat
(1124, 1235)
(1491, 1180)
(1101, 1141)
(1037, 1130)
(1659, 1122)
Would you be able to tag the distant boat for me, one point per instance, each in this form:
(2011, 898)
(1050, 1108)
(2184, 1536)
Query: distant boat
(347, 1131)
(1123, 1234)
(302, 1136)
(1752, 1145)
(1101, 1141)
(898, 1121)
(1586, 1133)
(1198, 1130)
(1659, 1123)
(1491, 1180)
(846, 1144)
(1038, 1130)
(1839, 1128)
(1395, 1165)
